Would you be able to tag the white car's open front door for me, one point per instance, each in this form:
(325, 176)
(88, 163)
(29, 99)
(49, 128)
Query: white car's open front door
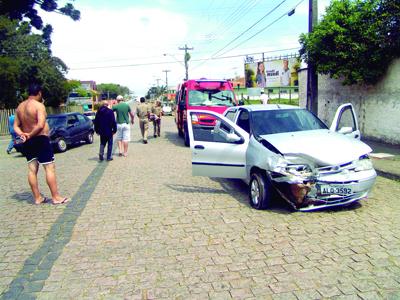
(218, 146)
(345, 121)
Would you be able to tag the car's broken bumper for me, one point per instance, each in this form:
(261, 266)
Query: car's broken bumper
(325, 190)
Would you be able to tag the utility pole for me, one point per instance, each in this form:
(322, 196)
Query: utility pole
(166, 78)
(312, 77)
(187, 57)
(158, 82)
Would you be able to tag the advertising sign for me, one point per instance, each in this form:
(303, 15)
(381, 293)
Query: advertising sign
(274, 73)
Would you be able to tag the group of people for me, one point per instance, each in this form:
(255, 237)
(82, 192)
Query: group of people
(106, 125)
(29, 126)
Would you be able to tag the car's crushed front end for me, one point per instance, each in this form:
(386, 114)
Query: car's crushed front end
(318, 169)
(309, 188)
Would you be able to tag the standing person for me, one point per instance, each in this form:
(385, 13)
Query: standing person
(263, 98)
(143, 113)
(285, 73)
(156, 111)
(12, 133)
(31, 126)
(260, 77)
(123, 112)
(105, 126)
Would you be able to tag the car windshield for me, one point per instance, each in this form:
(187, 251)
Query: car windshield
(211, 98)
(56, 121)
(287, 120)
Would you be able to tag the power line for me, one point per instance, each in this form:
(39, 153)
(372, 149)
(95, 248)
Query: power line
(249, 28)
(266, 27)
(231, 19)
(170, 62)
(239, 13)
(252, 26)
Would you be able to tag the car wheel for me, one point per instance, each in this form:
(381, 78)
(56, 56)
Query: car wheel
(259, 191)
(61, 145)
(89, 138)
(186, 137)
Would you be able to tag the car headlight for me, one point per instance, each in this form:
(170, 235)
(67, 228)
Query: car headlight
(299, 170)
(363, 164)
(285, 167)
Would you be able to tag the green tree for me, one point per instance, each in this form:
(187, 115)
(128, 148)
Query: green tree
(27, 9)
(72, 85)
(25, 57)
(356, 40)
(156, 91)
(112, 90)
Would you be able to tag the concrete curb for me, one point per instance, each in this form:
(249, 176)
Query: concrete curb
(388, 175)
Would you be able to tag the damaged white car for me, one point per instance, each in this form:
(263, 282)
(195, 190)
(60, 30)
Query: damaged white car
(287, 149)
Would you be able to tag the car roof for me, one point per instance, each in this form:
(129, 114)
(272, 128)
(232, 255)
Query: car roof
(64, 114)
(262, 107)
(208, 80)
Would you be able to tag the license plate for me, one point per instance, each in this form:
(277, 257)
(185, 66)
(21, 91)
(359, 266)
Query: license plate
(335, 189)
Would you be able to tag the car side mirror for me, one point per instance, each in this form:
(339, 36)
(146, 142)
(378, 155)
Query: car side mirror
(345, 130)
(241, 102)
(233, 138)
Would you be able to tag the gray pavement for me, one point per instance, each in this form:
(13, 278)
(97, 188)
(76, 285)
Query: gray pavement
(142, 227)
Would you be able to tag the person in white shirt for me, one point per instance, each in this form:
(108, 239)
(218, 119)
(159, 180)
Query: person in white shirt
(285, 74)
(263, 98)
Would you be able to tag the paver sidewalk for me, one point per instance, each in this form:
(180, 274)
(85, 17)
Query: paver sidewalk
(142, 227)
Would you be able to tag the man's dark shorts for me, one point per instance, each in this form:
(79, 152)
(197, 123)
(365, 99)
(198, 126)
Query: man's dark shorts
(39, 148)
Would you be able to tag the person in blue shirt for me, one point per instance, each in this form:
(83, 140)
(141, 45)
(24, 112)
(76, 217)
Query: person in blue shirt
(12, 133)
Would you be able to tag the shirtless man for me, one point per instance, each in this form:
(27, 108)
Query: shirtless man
(31, 126)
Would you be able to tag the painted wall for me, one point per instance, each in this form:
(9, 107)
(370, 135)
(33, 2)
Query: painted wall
(377, 107)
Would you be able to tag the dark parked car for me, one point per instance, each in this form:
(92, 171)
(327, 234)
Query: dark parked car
(70, 128)
(90, 114)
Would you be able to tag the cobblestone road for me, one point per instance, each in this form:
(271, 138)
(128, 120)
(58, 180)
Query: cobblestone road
(142, 227)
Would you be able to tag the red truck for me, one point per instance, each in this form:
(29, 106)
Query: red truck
(205, 94)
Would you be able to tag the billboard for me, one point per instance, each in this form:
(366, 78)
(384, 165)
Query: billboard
(274, 73)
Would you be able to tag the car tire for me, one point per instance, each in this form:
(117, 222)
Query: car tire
(259, 191)
(89, 138)
(186, 136)
(61, 145)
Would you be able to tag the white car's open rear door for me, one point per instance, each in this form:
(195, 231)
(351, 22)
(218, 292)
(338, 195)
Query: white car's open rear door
(218, 146)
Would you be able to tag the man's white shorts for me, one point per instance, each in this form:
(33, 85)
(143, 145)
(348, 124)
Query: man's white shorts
(123, 132)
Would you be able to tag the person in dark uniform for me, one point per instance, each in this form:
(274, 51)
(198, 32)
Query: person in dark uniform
(156, 112)
(143, 113)
(105, 126)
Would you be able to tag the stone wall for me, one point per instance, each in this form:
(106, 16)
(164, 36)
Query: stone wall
(377, 107)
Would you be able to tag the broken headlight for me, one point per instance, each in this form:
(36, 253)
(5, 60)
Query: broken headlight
(299, 170)
(363, 164)
(286, 167)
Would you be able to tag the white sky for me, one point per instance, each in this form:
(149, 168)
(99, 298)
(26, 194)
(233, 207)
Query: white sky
(124, 41)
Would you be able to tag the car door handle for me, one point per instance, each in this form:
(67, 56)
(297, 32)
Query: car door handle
(201, 147)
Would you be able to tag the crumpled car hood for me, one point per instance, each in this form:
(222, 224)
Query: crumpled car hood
(325, 147)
